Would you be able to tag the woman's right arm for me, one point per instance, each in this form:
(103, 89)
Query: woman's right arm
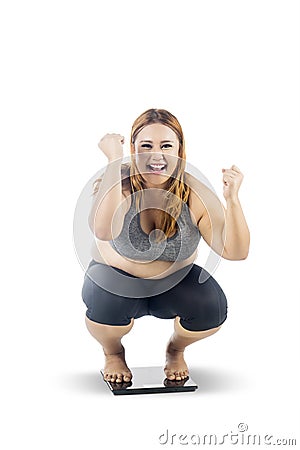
(109, 206)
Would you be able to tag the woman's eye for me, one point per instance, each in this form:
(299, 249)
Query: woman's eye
(149, 146)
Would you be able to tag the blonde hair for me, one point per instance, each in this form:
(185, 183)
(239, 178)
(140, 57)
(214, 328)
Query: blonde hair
(133, 180)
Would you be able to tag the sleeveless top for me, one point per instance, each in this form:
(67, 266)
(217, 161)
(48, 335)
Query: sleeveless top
(135, 244)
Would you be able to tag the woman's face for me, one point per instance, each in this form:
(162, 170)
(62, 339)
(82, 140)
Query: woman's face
(156, 153)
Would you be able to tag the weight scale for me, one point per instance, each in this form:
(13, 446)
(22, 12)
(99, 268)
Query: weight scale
(150, 380)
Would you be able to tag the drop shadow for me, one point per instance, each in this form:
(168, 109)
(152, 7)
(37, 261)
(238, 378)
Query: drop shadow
(84, 383)
(211, 380)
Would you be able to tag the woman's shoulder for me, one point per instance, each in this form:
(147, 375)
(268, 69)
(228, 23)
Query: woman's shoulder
(197, 185)
(194, 183)
(201, 196)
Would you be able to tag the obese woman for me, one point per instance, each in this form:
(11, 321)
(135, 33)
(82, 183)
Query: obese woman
(147, 218)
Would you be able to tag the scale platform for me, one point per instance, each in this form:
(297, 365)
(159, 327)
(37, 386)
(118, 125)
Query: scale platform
(150, 380)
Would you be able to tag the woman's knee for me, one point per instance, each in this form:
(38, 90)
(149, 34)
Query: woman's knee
(206, 308)
(96, 327)
(108, 313)
(184, 332)
(106, 308)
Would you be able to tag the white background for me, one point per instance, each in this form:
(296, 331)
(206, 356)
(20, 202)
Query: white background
(73, 71)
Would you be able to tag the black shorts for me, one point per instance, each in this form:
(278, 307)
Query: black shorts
(201, 305)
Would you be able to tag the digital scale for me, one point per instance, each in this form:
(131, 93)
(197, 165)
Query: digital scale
(150, 380)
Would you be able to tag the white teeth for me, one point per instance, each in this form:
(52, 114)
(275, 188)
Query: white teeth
(157, 166)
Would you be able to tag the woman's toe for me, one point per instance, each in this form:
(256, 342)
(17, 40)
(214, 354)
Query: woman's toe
(170, 376)
(119, 378)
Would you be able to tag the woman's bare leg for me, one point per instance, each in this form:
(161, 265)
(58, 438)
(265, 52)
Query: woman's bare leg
(110, 336)
(176, 368)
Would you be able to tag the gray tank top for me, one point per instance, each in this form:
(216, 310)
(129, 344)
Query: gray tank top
(135, 244)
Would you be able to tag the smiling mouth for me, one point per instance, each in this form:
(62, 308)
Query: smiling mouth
(157, 168)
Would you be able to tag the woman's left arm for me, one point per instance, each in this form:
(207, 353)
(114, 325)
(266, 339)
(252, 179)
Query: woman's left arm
(235, 233)
(224, 229)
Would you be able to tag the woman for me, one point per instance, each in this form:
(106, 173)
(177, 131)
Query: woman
(147, 218)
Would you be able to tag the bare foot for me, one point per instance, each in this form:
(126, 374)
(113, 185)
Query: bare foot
(116, 370)
(175, 368)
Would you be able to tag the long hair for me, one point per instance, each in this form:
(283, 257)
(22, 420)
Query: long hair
(175, 184)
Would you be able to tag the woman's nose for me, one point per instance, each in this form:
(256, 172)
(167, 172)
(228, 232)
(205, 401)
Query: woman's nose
(157, 156)
(157, 150)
